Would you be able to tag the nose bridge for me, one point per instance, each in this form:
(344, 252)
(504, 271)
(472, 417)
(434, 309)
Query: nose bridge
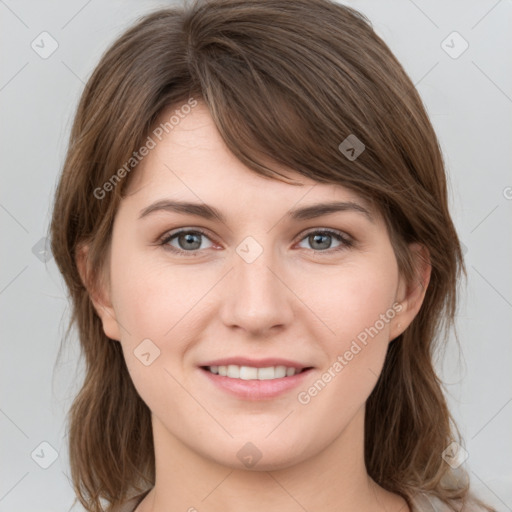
(257, 299)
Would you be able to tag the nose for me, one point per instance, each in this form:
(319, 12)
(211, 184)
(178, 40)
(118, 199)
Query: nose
(257, 299)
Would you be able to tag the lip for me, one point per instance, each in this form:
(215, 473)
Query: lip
(256, 389)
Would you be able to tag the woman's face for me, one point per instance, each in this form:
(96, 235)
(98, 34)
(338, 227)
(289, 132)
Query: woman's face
(265, 288)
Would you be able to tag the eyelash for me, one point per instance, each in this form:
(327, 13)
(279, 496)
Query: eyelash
(167, 237)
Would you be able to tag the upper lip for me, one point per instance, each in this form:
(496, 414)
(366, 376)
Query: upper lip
(256, 363)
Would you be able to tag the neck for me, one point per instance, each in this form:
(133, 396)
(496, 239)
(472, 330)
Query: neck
(334, 479)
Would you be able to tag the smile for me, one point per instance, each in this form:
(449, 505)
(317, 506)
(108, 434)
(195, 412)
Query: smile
(255, 383)
(234, 371)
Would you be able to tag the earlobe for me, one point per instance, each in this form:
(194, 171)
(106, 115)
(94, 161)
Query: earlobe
(412, 294)
(98, 294)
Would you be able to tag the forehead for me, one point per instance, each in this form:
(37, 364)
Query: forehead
(190, 161)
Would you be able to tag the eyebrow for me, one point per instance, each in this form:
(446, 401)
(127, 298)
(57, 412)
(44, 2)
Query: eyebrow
(211, 213)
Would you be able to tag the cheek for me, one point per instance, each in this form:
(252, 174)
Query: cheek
(152, 303)
(359, 311)
(357, 297)
(164, 304)
(152, 298)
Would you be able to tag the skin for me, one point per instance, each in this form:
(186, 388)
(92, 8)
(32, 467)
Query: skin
(296, 300)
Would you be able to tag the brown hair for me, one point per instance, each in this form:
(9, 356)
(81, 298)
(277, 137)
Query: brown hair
(286, 80)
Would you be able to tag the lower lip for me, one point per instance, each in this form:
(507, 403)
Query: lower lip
(256, 389)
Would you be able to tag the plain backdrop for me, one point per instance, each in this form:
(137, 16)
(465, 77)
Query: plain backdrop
(468, 94)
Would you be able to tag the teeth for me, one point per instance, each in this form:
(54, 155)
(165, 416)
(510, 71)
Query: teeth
(234, 371)
(246, 372)
(279, 372)
(266, 373)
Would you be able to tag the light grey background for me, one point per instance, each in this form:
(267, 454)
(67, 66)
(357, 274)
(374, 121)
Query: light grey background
(469, 99)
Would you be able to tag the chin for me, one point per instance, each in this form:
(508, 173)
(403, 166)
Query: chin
(258, 453)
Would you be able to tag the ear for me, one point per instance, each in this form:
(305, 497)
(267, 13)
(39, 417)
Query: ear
(99, 294)
(411, 294)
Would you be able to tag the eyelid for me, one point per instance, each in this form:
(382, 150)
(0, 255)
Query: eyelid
(346, 239)
(173, 232)
(339, 232)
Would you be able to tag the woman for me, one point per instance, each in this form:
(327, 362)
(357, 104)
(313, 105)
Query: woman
(283, 361)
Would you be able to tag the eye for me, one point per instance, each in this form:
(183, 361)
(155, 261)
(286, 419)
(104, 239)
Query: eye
(189, 241)
(320, 240)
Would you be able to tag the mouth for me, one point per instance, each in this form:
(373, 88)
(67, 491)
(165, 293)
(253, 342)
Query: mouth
(255, 380)
(234, 371)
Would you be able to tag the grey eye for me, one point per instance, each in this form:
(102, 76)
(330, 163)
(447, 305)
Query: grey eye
(187, 240)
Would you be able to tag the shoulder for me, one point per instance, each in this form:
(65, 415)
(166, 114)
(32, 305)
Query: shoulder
(427, 502)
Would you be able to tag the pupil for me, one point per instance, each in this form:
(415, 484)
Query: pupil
(325, 245)
(189, 238)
